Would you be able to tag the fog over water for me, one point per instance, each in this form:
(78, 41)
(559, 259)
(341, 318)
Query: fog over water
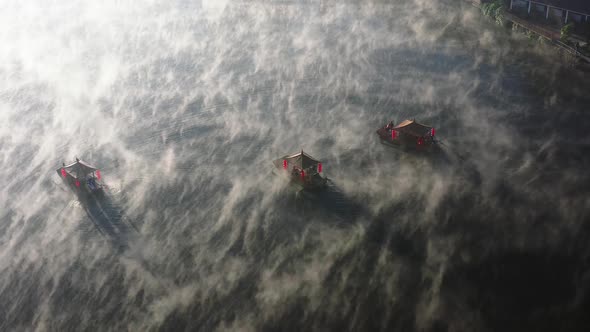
(183, 105)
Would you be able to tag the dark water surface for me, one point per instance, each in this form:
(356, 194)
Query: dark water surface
(183, 106)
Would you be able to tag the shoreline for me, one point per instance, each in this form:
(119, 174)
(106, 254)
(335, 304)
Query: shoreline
(517, 24)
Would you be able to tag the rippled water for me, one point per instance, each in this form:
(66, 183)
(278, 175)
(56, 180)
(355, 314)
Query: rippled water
(184, 105)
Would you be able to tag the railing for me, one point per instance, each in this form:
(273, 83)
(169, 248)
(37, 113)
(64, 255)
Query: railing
(549, 34)
(571, 50)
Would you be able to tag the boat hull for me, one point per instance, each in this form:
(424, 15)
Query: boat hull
(405, 143)
(316, 183)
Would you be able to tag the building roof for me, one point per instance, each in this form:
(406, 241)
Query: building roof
(300, 159)
(79, 169)
(411, 127)
(581, 6)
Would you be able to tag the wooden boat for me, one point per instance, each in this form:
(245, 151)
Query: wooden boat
(81, 177)
(407, 134)
(302, 170)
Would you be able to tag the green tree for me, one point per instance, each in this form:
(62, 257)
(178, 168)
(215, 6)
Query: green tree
(494, 10)
(566, 32)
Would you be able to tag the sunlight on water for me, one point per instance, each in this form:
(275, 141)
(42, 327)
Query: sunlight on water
(214, 8)
(183, 105)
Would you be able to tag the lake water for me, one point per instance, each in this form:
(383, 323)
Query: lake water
(184, 105)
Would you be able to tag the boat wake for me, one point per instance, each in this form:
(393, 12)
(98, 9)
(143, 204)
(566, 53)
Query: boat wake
(109, 219)
(335, 202)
